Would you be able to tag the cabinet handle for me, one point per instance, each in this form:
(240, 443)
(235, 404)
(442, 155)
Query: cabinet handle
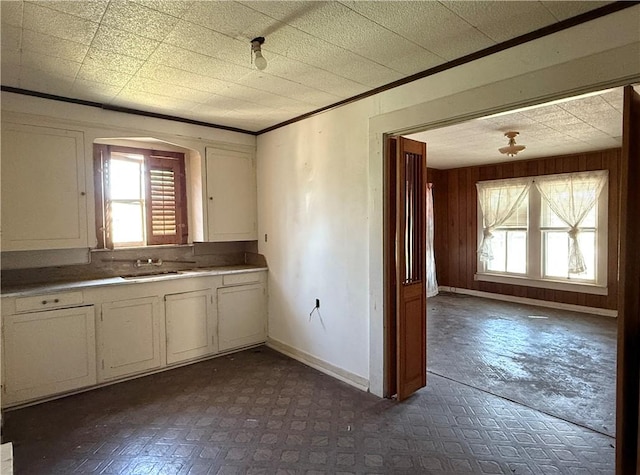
(56, 301)
(44, 302)
(211, 198)
(82, 193)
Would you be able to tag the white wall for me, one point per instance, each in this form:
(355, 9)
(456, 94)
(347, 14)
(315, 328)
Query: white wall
(320, 182)
(313, 206)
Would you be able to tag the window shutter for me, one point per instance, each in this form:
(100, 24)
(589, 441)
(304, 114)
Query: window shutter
(101, 155)
(166, 203)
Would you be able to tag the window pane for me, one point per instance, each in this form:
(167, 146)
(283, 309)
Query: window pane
(556, 258)
(520, 218)
(499, 248)
(587, 241)
(128, 221)
(125, 179)
(549, 218)
(590, 220)
(517, 252)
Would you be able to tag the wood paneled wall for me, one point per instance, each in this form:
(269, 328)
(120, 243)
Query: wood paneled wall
(456, 223)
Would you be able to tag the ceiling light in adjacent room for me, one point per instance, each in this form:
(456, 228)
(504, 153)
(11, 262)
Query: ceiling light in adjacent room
(256, 49)
(512, 149)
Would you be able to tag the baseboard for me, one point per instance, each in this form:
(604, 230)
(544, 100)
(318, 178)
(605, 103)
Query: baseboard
(6, 459)
(540, 303)
(321, 365)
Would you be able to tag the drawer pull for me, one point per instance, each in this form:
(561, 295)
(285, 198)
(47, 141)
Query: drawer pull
(41, 302)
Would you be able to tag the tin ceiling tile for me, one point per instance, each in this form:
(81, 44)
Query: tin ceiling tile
(112, 61)
(58, 24)
(501, 21)
(11, 13)
(55, 67)
(564, 10)
(92, 72)
(176, 8)
(125, 43)
(53, 46)
(11, 37)
(139, 20)
(93, 10)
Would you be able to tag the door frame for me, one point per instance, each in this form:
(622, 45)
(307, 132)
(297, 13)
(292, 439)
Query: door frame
(487, 100)
(379, 130)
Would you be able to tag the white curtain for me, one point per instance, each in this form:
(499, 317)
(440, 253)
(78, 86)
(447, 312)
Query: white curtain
(432, 283)
(571, 196)
(498, 199)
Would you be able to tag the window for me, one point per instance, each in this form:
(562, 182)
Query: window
(140, 197)
(542, 230)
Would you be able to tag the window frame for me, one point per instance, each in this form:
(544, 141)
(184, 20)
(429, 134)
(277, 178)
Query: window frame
(534, 276)
(160, 158)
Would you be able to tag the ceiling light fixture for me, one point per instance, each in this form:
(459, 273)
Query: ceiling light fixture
(256, 50)
(512, 149)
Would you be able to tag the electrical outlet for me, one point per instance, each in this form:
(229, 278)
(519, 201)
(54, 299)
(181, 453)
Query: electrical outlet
(317, 303)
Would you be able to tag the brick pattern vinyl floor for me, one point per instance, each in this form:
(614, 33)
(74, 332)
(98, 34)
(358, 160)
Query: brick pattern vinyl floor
(259, 412)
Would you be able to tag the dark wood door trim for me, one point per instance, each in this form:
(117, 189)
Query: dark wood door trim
(628, 374)
(389, 240)
(410, 266)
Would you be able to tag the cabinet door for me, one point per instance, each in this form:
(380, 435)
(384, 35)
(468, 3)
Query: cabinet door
(129, 337)
(231, 196)
(190, 324)
(43, 198)
(48, 352)
(242, 316)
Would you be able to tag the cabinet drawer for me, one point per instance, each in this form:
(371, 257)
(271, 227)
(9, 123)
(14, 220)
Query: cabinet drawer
(42, 302)
(236, 279)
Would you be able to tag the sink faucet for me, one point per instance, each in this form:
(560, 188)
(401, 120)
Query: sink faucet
(148, 262)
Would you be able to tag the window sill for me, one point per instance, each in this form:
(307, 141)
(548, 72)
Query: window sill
(138, 248)
(582, 288)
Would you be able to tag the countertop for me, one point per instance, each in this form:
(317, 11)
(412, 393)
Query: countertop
(43, 287)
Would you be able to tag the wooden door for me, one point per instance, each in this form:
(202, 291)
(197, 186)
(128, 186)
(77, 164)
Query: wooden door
(628, 391)
(410, 275)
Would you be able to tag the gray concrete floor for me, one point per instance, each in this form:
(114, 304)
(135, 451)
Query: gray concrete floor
(559, 362)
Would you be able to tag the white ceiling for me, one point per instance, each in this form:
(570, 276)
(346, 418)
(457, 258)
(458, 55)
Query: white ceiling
(191, 59)
(580, 124)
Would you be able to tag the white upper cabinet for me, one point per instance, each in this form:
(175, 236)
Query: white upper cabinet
(43, 188)
(231, 196)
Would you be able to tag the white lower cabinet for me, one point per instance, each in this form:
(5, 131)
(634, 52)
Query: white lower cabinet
(129, 337)
(48, 352)
(190, 325)
(242, 316)
(108, 333)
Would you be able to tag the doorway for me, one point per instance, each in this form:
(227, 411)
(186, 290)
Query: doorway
(628, 306)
